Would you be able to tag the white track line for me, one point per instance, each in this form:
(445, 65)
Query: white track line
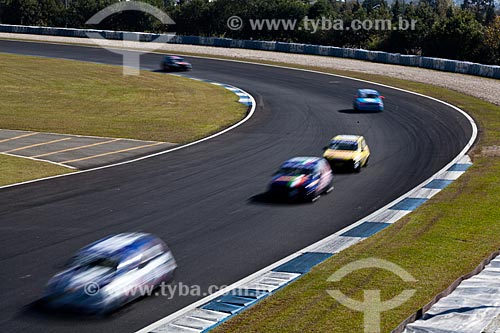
(39, 160)
(241, 122)
(73, 135)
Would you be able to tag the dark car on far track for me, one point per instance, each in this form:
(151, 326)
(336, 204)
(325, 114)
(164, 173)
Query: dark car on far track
(175, 63)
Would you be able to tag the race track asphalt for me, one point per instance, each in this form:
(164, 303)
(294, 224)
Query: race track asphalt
(204, 200)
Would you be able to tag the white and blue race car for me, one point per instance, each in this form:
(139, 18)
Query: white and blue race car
(111, 272)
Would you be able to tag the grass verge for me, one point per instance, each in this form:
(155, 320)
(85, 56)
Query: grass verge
(63, 96)
(16, 170)
(71, 97)
(444, 239)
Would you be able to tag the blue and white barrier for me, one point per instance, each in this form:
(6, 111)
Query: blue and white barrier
(244, 97)
(447, 65)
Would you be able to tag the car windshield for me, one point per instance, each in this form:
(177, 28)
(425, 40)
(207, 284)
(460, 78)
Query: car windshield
(95, 261)
(295, 171)
(343, 145)
(177, 59)
(364, 95)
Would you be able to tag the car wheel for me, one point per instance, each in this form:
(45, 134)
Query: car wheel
(168, 278)
(329, 188)
(171, 277)
(313, 198)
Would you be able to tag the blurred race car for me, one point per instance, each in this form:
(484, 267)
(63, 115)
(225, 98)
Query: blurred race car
(350, 151)
(302, 178)
(368, 100)
(175, 63)
(111, 272)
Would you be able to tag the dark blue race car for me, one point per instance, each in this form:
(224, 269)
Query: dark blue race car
(302, 178)
(111, 272)
(175, 63)
(368, 100)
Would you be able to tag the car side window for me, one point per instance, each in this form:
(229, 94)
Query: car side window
(319, 168)
(326, 167)
(322, 166)
(150, 253)
(130, 262)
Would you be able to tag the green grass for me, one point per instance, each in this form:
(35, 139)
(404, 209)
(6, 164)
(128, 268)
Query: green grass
(64, 96)
(444, 239)
(16, 170)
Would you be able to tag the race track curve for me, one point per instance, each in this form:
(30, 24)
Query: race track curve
(201, 200)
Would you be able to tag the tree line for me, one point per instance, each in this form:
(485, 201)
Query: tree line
(469, 31)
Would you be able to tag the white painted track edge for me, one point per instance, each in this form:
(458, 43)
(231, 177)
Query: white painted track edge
(241, 122)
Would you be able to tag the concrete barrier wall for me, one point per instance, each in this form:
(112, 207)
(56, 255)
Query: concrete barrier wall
(447, 65)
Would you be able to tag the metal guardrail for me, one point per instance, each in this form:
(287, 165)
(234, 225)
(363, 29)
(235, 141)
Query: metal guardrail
(439, 64)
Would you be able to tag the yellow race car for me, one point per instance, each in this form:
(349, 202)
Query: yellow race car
(347, 151)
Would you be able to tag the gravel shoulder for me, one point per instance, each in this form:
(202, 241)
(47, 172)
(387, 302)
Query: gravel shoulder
(484, 88)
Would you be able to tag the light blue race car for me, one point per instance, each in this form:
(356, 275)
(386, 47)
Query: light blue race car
(368, 100)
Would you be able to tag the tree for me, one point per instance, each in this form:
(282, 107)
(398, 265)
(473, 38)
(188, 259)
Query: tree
(410, 41)
(135, 20)
(457, 37)
(484, 10)
(397, 8)
(371, 5)
(321, 8)
(443, 7)
(355, 38)
(279, 11)
(80, 11)
(222, 10)
(492, 41)
(193, 18)
(32, 12)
